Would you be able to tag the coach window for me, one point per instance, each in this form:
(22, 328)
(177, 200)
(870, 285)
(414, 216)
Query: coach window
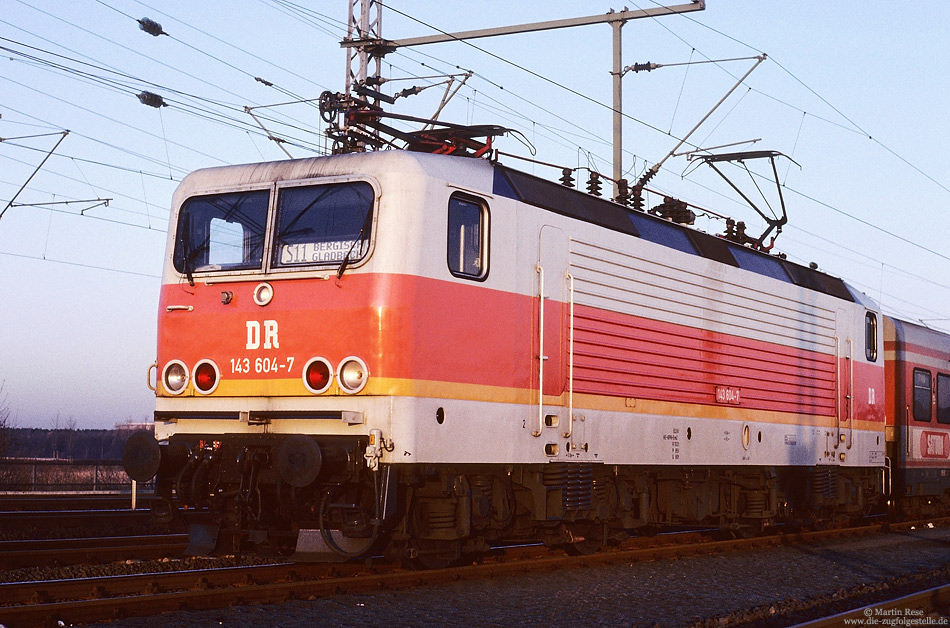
(943, 398)
(922, 395)
(870, 336)
(468, 237)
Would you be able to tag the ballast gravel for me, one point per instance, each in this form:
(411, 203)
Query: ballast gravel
(763, 587)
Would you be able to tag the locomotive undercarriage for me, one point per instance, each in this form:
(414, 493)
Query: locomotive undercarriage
(323, 498)
(918, 493)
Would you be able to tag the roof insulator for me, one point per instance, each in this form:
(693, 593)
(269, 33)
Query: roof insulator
(151, 27)
(566, 179)
(593, 184)
(623, 192)
(152, 100)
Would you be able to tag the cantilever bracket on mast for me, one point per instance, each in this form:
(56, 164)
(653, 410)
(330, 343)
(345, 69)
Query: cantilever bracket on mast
(270, 136)
(30, 178)
(649, 174)
(96, 202)
(364, 42)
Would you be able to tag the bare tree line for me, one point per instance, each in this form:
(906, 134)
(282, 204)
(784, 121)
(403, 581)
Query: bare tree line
(5, 413)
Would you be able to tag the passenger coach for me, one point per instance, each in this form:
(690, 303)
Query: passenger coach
(918, 417)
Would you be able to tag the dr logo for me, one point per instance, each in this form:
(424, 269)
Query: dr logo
(254, 335)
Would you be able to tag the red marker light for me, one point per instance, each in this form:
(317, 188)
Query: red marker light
(317, 375)
(205, 377)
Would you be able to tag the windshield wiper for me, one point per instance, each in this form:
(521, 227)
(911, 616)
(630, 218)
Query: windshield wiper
(187, 254)
(359, 238)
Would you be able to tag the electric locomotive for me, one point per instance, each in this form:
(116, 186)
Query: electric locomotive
(425, 354)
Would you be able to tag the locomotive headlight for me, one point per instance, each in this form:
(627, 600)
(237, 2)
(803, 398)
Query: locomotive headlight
(317, 375)
(206, 377)
(352, 374)
(263, 294)
(175, 376)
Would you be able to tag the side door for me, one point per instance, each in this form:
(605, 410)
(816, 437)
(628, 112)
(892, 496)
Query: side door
(557, 420)
(844, 383)
(552, 312)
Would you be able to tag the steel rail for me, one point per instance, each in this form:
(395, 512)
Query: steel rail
(38, 502)
(37, 553)
(150, 594)
(906, 610)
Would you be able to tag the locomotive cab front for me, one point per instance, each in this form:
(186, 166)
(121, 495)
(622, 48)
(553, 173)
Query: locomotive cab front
(272, 368)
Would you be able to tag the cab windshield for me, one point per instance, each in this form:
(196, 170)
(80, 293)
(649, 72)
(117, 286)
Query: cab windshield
(323, 224)
(221, 232)
(326, 225)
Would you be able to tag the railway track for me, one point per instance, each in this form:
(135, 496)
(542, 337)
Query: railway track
(38, 502)
(36, 516)
(906, 610)
(59, 521)
(99, 599)
(60, 552)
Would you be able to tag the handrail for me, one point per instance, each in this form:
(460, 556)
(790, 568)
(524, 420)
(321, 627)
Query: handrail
(887, 473)
(907, 430)
(837, 391)
(570, 362)
(541, 357)
(850, 393)
(148, 376)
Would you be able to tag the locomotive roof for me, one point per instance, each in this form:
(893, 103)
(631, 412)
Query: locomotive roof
(532, 190)
(569, 202)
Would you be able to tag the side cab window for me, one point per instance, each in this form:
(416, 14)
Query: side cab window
(468, 237)
(870, 336)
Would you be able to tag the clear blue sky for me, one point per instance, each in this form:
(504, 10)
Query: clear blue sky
(854, 92)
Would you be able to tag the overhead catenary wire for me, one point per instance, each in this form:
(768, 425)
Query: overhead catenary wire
(541, 124)
(55, 173)
(81, 265)
(851, 124)
(527, 70)
(130, 50)
(112, 146)
(198, 111)
(153, 28)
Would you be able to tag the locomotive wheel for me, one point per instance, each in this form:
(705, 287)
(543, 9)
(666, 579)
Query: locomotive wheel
(647, 530)
(432, 554)
(347, 547)
(583, 548)
(285, 546)
(593, 539)
(350, 547)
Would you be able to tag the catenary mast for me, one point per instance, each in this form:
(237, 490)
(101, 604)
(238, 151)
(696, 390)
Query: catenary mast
(367, 47)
